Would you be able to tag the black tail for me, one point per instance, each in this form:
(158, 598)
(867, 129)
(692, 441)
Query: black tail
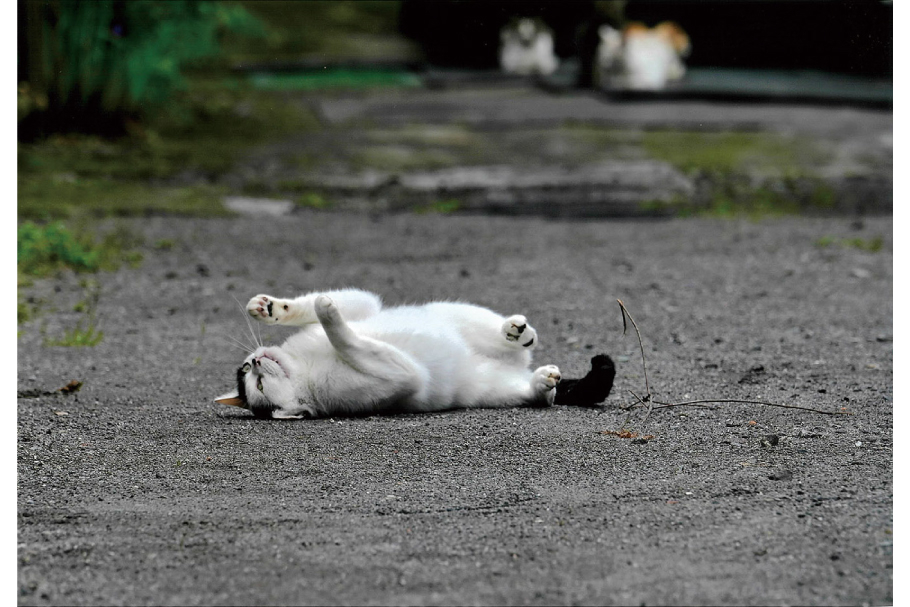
(592, 389)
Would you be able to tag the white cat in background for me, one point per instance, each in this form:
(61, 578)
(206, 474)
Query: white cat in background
(352, 356)
(526, 47)
(639, 58)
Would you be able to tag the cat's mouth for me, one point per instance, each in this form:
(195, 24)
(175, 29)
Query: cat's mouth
(275, 360)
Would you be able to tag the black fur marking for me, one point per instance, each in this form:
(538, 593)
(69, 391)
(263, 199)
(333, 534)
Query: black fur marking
(592, 389)
(529, 344)
(241, 386)
(270, 308)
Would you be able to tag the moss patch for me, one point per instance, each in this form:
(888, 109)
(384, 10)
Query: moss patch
(66, 196)
(200, 138)
(726, 152)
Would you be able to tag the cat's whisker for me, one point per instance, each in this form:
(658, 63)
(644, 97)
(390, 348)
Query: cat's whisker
(233, 341)
(249, 324)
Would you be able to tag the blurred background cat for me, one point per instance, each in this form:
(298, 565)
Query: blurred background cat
(640, 58)
(526, 47)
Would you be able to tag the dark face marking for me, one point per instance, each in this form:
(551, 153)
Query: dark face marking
(241, 385)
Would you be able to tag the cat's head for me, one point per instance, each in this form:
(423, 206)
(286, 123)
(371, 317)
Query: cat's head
(265, 386)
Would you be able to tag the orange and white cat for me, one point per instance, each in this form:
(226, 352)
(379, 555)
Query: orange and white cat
(640, 58)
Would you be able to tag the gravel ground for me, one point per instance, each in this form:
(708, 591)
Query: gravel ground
(138, 490)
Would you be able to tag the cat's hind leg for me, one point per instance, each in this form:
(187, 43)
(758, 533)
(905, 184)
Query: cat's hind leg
(300, 311)
(543, 384)
(488, 333)
(497, 383)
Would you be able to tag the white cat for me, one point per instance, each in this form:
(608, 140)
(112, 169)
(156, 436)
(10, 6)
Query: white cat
(526, 47)
(354, 357)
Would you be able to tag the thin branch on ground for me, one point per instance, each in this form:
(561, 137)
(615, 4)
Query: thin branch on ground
(644, 368)
(696, 403)
(647, 401)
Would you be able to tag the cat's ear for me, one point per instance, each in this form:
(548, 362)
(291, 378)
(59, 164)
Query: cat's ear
(231, 398)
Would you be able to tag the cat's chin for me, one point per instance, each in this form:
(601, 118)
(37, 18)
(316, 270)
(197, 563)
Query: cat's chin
(277, 356)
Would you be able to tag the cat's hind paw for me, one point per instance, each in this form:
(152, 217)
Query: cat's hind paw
(517, 331)
(545, 378)
(543, 382)
(267, 309)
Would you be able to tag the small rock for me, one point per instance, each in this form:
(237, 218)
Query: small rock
(860, 273)
(781, 475)
(770, 440)
(259, 206)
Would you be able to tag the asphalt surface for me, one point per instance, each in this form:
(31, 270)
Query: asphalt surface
(138, 490)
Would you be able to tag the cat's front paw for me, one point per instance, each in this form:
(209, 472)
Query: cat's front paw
(267, 309)
(326, 309)
(517, 330)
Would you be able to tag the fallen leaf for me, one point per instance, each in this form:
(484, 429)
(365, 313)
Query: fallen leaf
(621, 433)
(71, 387)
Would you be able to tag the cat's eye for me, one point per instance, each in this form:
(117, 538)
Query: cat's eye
(259, 384)
(246, 367)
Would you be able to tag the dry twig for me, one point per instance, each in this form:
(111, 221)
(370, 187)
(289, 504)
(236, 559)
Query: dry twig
(647, 401)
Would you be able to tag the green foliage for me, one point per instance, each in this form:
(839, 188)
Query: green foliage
(128, 57)
(42, 249)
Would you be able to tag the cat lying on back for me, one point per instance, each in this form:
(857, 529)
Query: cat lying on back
(353, 357)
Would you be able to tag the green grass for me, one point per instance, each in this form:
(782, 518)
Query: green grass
(44, 249)
(84, 335)
(870, 245)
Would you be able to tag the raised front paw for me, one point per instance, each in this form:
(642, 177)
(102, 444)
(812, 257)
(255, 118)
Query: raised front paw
(267, 309)
(517, 330)
(326, 309)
